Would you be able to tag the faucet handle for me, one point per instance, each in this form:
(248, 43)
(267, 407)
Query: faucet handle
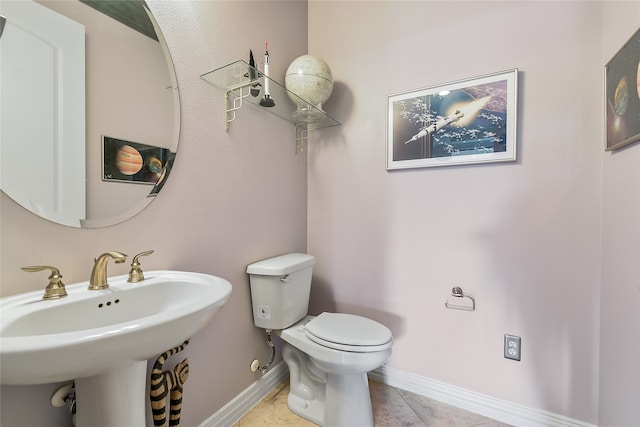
(136, 274)
(55, 289)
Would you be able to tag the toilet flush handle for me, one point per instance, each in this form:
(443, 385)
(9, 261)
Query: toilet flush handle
(284, 278)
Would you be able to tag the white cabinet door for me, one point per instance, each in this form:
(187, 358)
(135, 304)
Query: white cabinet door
(42, 112)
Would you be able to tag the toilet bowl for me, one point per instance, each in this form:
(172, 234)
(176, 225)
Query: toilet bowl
(328, 379)
(328, 355)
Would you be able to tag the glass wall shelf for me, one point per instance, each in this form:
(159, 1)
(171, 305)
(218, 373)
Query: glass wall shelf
(240, 81)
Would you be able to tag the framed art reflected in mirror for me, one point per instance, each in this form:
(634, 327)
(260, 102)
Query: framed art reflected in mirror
(133, 162)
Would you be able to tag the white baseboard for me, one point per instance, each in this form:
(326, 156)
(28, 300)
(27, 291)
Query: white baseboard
(242, 403)
(488, 406)
(497, 409)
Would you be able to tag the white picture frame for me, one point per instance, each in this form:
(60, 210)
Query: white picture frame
(462, 122)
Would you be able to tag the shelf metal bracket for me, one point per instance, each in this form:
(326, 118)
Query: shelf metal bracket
(302, 136)
(232, 105)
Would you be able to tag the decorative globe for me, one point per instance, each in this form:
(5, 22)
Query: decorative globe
(310, 78)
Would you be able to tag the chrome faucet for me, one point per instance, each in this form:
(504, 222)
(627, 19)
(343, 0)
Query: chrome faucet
(99, 273)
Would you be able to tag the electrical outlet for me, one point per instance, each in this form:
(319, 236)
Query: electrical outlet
(512, 347)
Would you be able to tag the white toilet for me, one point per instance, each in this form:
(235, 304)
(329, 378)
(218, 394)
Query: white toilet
(329, 355)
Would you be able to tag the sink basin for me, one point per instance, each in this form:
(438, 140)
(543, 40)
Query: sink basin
(102, 339)
(88, 332)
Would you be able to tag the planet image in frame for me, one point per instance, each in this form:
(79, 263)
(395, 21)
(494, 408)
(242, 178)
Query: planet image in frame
(155, 165)
(128, 160)
(621, 97)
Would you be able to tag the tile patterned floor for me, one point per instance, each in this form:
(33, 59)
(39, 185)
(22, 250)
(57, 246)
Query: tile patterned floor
(392, 407)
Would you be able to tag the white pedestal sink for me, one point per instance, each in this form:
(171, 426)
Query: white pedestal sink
(102, 339)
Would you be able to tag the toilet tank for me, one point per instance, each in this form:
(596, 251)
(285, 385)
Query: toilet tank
(280, 289)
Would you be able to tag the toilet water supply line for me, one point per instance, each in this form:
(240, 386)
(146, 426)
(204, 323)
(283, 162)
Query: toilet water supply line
(255, 365)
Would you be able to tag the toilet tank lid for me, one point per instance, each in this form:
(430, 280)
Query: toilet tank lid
(281, 265)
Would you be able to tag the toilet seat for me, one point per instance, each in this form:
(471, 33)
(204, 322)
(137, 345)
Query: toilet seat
(348, 332)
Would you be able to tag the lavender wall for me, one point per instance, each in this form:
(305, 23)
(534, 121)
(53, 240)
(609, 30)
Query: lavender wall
(523, 237)
(233, 198)
(620, 294)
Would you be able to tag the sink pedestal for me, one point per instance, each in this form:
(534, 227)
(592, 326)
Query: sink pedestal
(114, 399)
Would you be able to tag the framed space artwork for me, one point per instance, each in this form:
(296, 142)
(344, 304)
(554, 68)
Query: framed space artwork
(463, 122)
(622, 86)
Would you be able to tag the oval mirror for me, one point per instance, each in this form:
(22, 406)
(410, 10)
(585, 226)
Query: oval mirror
(90, 112)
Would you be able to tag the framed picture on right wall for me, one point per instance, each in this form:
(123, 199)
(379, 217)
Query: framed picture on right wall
(622, 90)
